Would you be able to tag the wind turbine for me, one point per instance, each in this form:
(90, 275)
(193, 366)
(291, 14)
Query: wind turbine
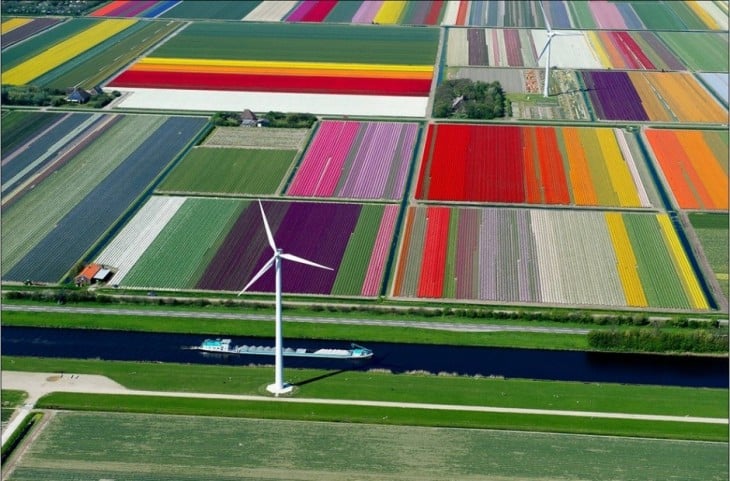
(550, 34)
(279, 386)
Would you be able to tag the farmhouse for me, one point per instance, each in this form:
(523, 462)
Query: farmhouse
(91, 274)
(78, 95)
(248, 118)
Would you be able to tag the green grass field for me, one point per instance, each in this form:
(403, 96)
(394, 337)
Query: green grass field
(230, 171)
(382, 386)
(10, 400)
(712, 230)
(148, 447)
(699, 51)
(305, 42)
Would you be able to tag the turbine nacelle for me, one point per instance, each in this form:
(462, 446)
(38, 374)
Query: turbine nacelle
(278, 254)
(550, 35)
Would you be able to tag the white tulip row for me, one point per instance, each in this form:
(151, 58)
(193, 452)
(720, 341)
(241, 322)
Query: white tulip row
(134, 239)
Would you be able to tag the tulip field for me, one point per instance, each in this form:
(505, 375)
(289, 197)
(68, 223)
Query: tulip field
(63, 51)
(622, 50)
(534, 165)
(652, 96)
(423, 12)
(566, 14)
(695, 164)
(219, 244)
(91, 168)
(545, 256)
(307, 59)
(588, 212)
(357, 160)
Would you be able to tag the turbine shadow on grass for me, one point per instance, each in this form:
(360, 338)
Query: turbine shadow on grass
(321, 377)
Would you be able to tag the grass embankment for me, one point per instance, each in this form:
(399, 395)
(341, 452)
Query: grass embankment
(145, 319)
(379, 386)
(10, 400)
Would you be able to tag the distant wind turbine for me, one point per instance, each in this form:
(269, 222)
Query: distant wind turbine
(550, 34)
(279, 387)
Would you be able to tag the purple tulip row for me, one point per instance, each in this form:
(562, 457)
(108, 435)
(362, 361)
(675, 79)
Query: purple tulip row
(613, 96)
(318, 232)
(359, 160)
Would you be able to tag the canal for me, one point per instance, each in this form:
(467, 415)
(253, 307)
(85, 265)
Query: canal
(579, 366)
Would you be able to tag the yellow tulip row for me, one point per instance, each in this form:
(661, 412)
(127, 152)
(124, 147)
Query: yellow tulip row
(390, 12)
(64, 51)
(691, 286)
(626, 261)
(618, 171)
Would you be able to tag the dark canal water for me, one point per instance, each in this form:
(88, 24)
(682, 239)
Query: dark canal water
(508, 363)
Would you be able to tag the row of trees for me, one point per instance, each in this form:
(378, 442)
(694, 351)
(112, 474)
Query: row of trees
(49, 7)
(464, 98)
(48, 97)
(655, 340)
(292, 120)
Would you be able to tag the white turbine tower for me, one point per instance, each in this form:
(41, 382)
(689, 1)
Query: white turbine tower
(279, 387)
(550, 34)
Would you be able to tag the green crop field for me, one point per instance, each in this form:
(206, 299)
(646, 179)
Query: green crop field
(712, 230)
(304, 42)
(93, 67)
(10, 400)
(220, 10)
(699, 51)
(230, 171)
(178, 256)
(351, 275)
(77, 445)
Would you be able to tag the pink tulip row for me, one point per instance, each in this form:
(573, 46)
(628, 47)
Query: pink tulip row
(376, 268)
(358, 160)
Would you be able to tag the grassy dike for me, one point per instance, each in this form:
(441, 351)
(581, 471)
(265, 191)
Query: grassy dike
(149, 322)
(381, 386)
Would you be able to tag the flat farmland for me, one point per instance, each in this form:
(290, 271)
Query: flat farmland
(219, 10)
(712, 231)
(303, 42)
(95, 66)
(79, 445)
(223, 244)
(289, 67)
(533, 165)
(93, 180)
(213, 170)
(551, 256)
(285, 139)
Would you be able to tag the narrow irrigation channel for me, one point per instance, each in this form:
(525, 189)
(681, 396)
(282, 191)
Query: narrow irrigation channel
(689, 371)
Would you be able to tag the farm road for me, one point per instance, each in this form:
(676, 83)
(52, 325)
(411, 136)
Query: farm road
(39, 384)
(444, 326)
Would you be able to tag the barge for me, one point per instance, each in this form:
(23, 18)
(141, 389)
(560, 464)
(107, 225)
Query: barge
(225, 346)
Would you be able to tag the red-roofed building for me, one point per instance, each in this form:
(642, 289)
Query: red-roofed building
(87, 275)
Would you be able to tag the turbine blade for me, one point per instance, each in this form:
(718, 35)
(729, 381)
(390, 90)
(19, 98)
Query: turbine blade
(544, 15)
(260, 273)
(567, 34)
(300, 260)
(544, 49)
(269, 236)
